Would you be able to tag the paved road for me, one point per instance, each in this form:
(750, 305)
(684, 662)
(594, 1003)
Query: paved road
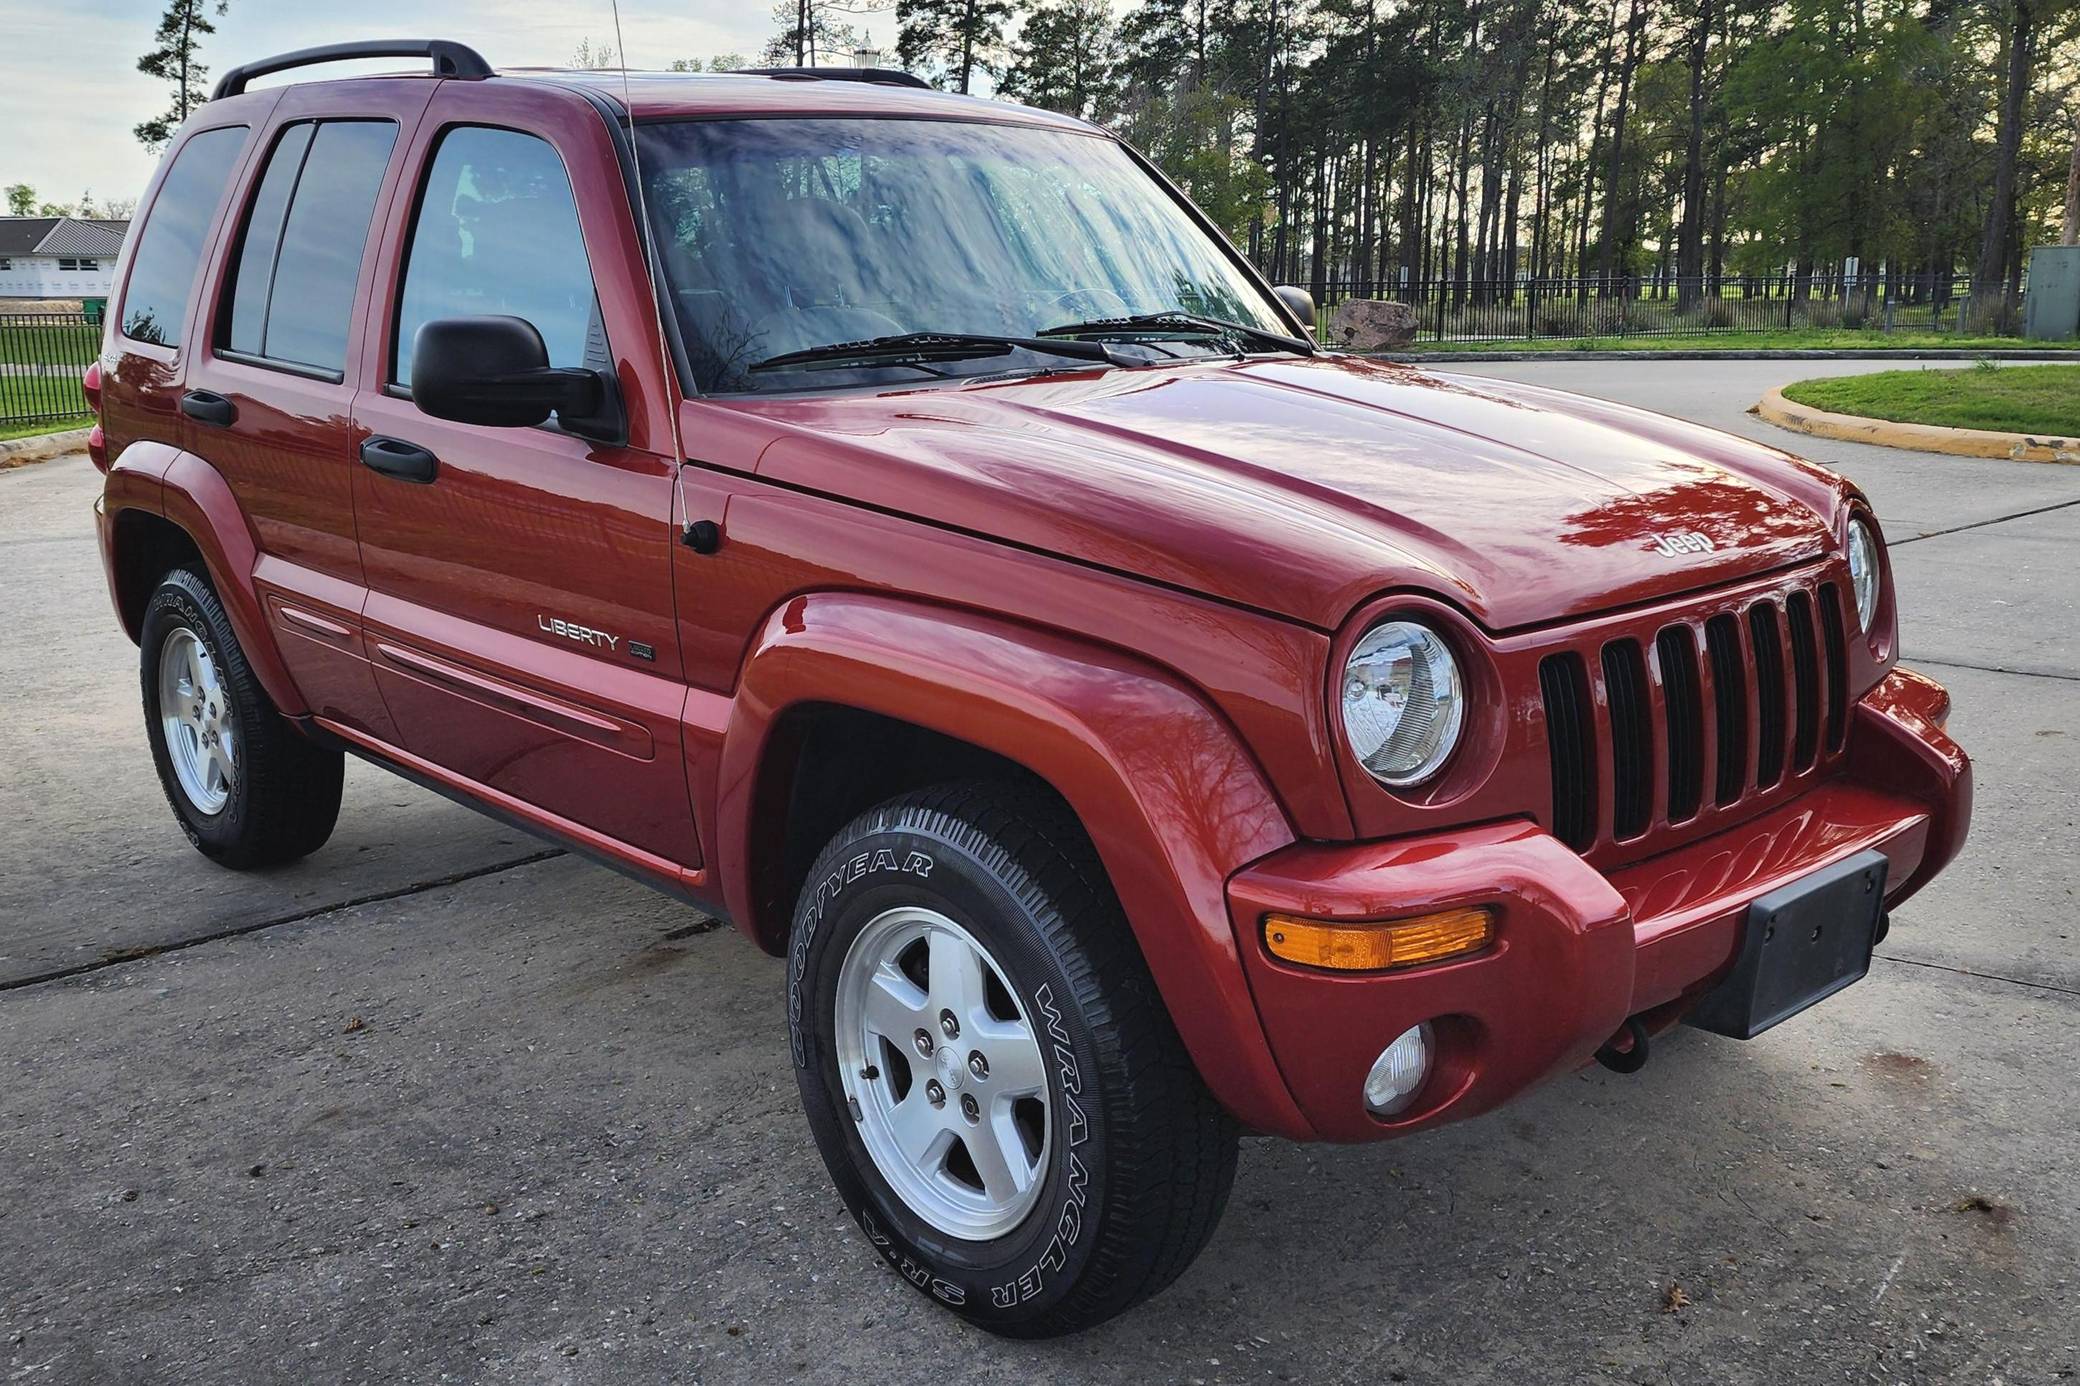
(435, 1106)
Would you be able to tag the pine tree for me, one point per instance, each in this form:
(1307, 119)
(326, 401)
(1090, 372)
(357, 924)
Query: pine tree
(172, 58)
(958, 38)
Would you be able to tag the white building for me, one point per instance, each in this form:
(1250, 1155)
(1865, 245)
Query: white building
(58, 257)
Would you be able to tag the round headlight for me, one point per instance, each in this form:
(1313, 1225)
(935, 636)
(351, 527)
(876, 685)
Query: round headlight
(1863, 572)
(1402, 701)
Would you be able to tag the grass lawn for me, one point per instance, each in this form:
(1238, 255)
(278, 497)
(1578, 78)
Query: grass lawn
(21, 396)
(1798, 339)
(2042, 400)
(26, 340)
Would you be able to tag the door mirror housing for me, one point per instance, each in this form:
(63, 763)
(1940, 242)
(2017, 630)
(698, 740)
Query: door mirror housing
(495, 371)
(1299, 303)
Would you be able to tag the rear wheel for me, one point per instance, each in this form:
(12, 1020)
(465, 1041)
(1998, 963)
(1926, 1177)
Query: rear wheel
(247, 788)
(988, 1068)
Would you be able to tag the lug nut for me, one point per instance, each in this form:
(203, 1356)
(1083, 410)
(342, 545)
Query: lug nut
(951, 1026)
(933, 1093)
(978, 1065)
(923, 1040)
(968, 1107)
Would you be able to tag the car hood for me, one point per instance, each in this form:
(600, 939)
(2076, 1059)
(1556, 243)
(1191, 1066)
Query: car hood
(1305, 486)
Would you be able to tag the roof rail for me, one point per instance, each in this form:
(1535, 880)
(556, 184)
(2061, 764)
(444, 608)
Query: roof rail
(885, 76)
(450, 59)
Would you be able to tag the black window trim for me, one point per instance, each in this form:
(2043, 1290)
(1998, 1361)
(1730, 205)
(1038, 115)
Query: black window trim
(399, 389)
(229, 277)
(143, 224)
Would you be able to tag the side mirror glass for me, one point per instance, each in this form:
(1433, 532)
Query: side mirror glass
(495, 371)
(1299, 303)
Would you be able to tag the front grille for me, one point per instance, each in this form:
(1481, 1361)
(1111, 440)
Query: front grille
(1729, 706)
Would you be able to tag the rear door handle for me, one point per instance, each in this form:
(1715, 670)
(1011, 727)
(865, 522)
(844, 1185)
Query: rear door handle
(395, 457)
(207, 406)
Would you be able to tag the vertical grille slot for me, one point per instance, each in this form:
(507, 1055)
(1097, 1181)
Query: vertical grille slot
(1632, 747)
(1564, 682)
(1722, 640)
(1805, 678)
(1682, 702)
(1837, 667)
(1769, 694)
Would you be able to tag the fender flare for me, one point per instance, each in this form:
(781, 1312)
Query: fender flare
(194, 496)
(1164, 788)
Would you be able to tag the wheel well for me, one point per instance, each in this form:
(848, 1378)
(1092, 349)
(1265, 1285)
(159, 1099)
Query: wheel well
(147, 547)
(826, 764)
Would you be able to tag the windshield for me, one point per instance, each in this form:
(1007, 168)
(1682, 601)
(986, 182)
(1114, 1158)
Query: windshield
(788, 234)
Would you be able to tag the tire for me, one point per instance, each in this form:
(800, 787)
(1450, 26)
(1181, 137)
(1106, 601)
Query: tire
(274, 796)
(1131, 1158)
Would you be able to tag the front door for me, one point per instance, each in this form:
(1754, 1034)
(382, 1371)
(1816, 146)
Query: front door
(519, 615)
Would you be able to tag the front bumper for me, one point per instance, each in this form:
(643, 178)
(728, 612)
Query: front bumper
(1577, 951)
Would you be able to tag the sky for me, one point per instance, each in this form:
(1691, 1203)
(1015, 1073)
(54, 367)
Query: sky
(70, 90)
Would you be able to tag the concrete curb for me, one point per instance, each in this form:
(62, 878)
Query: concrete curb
(41, 447)
(1432, 358)
(1961, 442)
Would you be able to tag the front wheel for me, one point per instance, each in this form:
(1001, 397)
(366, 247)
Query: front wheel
(987, 1066)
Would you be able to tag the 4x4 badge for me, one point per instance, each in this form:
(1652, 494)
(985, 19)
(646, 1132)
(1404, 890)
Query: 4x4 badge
(1678, 542)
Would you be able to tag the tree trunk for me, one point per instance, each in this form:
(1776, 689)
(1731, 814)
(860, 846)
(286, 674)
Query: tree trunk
(2070, 234)
(2000, 211)
(1690, 239)
(1614, 200)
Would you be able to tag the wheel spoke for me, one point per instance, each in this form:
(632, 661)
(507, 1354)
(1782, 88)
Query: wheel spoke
(896, 1007)
(956, 977)
(1005, 1171)
(1015, 1068)
(920, 1130)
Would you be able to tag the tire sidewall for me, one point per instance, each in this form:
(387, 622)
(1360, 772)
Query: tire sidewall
(887, 860)
(182, 601)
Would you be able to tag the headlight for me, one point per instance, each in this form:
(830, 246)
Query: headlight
(1403, 702)
(1863, 572)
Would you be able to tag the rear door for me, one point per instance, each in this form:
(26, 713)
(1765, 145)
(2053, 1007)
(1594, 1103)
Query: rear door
(269, 394)
(520, 611)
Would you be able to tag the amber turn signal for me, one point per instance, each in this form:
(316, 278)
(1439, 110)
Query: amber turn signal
(1378, 947)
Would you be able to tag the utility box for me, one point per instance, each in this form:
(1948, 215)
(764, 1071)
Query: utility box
(2051, 309)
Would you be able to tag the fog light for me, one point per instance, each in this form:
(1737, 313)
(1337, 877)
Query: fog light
(1398, 1073)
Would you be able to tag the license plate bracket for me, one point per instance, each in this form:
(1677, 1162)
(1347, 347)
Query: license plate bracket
(1800, 944)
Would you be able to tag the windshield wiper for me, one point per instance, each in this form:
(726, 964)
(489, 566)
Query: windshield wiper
(1178, 319)
(914, 347)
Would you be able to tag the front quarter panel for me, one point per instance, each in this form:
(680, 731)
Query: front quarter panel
(1170, 799)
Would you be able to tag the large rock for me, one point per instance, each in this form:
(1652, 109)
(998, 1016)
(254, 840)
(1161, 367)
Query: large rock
(1373, 324)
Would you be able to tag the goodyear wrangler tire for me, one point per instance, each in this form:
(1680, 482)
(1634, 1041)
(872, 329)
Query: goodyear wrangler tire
(988, 1069)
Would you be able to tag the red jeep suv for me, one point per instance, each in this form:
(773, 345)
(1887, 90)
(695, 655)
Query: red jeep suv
(902, 525)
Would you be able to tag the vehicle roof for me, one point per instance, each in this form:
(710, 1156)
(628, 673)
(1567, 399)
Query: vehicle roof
(654, 95)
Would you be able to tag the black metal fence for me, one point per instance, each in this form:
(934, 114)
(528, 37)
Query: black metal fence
(42, 356)
(1586, 309)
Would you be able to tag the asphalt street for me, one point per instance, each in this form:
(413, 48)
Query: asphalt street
(441, 1104)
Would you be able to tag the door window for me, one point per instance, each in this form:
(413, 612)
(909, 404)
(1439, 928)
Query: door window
(169, 249)
(497, 233)
(299, 257)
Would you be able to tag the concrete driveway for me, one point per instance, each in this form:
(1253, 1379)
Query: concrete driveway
(439, 1104)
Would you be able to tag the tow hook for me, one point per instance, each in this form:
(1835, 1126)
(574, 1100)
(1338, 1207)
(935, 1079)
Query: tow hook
(1633, 1057)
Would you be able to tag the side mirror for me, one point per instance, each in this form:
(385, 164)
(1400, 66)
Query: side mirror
(495, 371)
(1299, 303)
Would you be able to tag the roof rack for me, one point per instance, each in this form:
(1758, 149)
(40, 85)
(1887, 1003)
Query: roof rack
(885, 76)
(450, 59)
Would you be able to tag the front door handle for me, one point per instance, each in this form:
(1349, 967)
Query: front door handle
(395, 457)
(207, 406)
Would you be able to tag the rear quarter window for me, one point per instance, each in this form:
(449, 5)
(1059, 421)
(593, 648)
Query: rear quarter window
(169, 249)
